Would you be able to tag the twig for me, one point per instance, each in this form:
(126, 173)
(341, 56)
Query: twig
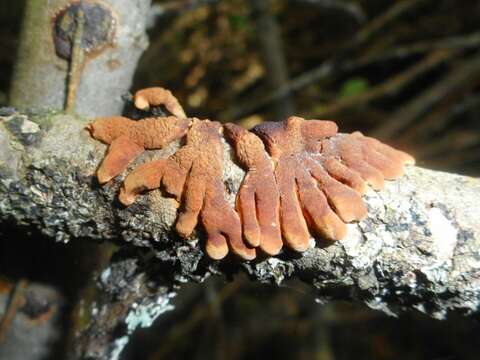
(352, 9)
(449, 43)
(389, 87)
(328, 67)
(395, 11)
(197, 316)
(462, 75)
(76, 62)
(38, 81)
(418, 248)
(15, 303)
(273, 57)
(441, 116)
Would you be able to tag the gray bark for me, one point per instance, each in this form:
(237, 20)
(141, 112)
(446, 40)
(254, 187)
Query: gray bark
(419, 247)
(40, 76)
(34, 330)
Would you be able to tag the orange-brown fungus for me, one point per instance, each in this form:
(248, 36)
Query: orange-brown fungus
(128, 139)
(372, 160)
(194, 176)
(302, 200)
(302, 176)
(321, 176)
(258, 199)
(155, 96)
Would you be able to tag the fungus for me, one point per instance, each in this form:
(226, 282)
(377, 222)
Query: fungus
(301, 176)
(321, 176)
(258, 199)
(156, 96)
(128, 139)
(371, 159)
(194, 176)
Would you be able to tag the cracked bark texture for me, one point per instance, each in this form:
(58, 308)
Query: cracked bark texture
(418, 248)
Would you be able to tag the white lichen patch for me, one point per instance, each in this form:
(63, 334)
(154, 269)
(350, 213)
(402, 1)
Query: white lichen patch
(143, 316)
(105, 275)
(59, 142)
(273, 268)
(118, 346)
(444, 234)
(375, 202)
(29, 127)
(437, 273)
(362, 250)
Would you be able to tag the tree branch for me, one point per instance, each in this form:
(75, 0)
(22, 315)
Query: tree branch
(102, 64)
(419, 247)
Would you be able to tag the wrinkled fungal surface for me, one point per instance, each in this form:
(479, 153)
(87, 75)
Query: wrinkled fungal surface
(303, 179)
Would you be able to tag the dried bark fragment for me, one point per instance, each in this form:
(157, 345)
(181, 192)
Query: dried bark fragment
(194, 176)
(258, 199)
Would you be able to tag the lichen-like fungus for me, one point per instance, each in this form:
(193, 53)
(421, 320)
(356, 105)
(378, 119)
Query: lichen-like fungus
(302, 176)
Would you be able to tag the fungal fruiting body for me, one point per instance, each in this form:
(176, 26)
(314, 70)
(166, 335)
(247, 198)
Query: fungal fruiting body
(302, 177)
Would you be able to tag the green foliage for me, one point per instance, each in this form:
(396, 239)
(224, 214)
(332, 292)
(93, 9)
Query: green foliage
(354, 86)
(238, 21)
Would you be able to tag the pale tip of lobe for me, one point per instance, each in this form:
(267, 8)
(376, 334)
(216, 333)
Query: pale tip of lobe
(409, 160)
(299, 246)
(141, 103)
(246, 254)
(182, 230)
(126, 198)
(103, 177)
(253, 238)
(271, 248)
(216, 252)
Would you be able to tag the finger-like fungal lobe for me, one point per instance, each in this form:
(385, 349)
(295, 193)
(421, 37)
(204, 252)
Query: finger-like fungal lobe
(303, 179)
(194, 176)
(128, 138)
(156, 96)
(321, 176)
(310, 199)
(258, 200)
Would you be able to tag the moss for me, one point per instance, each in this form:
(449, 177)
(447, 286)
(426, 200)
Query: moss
(46, 117)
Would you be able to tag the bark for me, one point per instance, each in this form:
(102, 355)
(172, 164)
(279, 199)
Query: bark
(41, 77)
(32, 332)
(419, 247)
(84, 65)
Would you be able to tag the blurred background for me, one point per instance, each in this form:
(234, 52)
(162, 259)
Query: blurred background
(407, 72)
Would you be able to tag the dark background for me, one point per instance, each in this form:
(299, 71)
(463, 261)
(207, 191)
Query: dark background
(405, 71)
